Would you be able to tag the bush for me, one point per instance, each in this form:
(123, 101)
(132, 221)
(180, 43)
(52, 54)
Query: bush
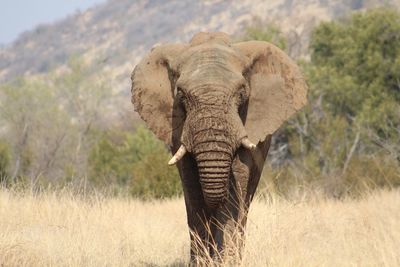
(347, 139)
(152, 177)
(137, 161)
(354, 92)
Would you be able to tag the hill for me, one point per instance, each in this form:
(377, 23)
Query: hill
(114, 35)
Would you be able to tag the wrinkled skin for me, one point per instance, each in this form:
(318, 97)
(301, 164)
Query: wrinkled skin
(207, 97)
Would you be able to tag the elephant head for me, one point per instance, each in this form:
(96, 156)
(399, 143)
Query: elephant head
(211, 96)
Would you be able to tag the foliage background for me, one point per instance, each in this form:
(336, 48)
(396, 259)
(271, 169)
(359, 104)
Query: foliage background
(58, 129)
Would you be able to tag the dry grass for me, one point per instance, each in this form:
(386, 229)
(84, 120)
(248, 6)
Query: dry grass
(65, 230)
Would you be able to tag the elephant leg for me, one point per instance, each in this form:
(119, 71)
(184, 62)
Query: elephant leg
(247, 169)
(199, 231)
(227, 232)
(235, 209)
(258, 160)
(198, 218)
(231, 218)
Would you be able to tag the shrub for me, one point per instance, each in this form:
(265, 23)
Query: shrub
(137, 161)
(347, 139)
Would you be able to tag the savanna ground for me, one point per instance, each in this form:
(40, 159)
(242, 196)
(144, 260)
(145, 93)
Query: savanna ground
(335, 165)
(65, 229)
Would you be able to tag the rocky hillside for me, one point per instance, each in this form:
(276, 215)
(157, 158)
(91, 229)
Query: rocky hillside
(115, 35)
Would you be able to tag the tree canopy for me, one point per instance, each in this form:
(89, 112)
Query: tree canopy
(348, 136)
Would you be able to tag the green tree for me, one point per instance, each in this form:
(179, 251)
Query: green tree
(85, 95)
(51, 122)
(360, 57)
(355, 71)
(135, 160)
(353, 116)
(347, 139)
(35, 126)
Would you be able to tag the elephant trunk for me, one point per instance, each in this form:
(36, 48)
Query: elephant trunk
(212, 134)
(213, 153)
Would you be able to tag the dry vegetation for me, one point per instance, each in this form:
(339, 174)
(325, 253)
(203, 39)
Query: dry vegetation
(60, 229)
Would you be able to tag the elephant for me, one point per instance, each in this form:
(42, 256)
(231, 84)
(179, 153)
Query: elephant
(216, 104)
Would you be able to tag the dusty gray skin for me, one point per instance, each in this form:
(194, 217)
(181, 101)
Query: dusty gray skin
(216, 104)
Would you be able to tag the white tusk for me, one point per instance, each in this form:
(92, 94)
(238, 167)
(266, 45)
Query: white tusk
(248, 144)
(178, 155)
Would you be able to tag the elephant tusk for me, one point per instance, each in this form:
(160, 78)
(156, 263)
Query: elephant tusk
(178, 155)
(248, 144)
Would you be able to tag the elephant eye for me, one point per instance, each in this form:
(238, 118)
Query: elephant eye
(180, 93)
(243, 94)
(181, 97)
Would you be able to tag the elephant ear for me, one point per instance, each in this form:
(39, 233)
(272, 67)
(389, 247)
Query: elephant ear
(277, 88)
(153, 84)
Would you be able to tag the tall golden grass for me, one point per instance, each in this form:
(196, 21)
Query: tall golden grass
(63, 229)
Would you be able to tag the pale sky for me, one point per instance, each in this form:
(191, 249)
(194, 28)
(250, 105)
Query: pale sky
(17, 16)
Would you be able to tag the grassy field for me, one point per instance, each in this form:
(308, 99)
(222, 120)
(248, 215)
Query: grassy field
(66, 230)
